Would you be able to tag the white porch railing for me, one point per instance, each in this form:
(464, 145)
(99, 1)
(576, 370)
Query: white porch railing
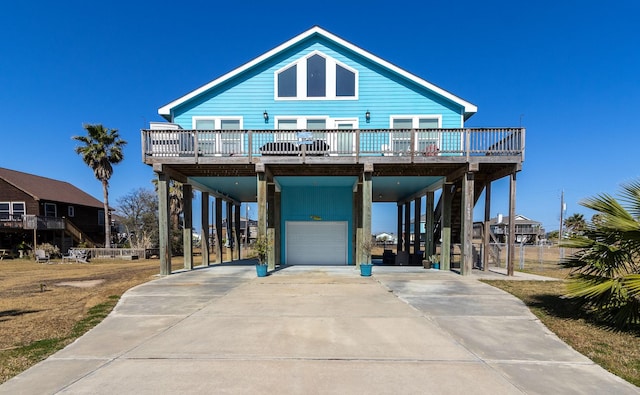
(340, 142)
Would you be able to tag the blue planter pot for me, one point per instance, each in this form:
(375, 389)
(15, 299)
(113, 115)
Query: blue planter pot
(261, 270)
(365, 269)
(436, 266)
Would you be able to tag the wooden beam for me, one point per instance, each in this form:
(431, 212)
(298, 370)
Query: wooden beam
(215, 193)
(173, 174)
(163, 224)
(431, 188)
(399, 238)
(407, 228)
(277, 241)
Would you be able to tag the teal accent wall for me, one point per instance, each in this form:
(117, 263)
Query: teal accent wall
(325, 203)
(381, 91)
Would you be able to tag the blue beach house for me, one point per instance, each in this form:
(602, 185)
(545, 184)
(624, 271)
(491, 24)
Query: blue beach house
(316, 131)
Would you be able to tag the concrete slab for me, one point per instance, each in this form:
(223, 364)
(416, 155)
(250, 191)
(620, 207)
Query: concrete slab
(317, 330)
(152, 377)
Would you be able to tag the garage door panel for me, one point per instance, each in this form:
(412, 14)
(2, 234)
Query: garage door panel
(317, 243)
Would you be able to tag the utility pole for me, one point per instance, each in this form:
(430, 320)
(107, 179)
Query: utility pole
(560, 232)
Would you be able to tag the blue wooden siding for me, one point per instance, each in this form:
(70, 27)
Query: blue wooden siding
(381, 92)
(316, 203)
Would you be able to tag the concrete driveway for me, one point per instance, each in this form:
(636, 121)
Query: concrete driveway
(318, 330)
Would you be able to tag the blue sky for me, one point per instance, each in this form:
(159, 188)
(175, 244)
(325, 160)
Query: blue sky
(565, 70)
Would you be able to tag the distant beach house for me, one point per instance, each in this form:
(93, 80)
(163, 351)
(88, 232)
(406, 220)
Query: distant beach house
(316, 131)
(527, 231)
(52, 211)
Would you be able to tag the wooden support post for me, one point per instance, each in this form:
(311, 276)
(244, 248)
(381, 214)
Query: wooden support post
(204, 233)
(366, 212)
(357, 225)
(429, 247)
(187, 230)
(512, 224)
(163, 224)
(262, 206)
(271, 231)
(417, 211)
(445, 248)
(400, 236)
(236, 222)
(219, 243)
(466, 260)
(407, 228)
(277, 217)
(229, 228)
(486, 239)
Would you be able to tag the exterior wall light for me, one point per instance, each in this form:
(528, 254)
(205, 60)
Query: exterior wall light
(367, 115)
(266, 116)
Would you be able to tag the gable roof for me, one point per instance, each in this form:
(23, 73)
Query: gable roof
(469, 109)
(42, 188)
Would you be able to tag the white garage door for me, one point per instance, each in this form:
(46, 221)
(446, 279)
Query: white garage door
(317, 243)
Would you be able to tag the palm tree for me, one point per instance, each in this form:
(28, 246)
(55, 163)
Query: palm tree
(102, 148)
(606, 268)
(575, 224)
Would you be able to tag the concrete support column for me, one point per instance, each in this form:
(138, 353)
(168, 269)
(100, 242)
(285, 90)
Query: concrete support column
(512, 224)
(204, 233)
(219, 245)
(163, 224)
(236, 216)
(429, 244)
(466, 260)
(445, 248)
(486, 234)
(187, 231)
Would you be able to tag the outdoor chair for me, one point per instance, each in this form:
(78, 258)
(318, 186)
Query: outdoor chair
(41, 256)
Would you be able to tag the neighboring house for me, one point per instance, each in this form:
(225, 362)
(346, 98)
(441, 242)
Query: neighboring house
(386, 238)
(317, 130)
(528, 231)
(56, 212)
(246, 228)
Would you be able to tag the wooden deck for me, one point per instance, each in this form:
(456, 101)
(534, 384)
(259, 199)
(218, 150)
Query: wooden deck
(334, 147)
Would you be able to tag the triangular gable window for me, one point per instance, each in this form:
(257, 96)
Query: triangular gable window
(316, 76)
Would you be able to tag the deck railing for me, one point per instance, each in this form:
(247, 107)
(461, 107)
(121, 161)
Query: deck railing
(339, 142)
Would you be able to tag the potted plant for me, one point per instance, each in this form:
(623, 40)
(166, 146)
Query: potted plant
(261, 247)
(365, 267)
(432, 262)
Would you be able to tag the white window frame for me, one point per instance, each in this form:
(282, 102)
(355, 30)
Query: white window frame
(13, 209)
(55, 210)
(301, 80)
(71, 211)
(217, 139)
(8, 211)
(415, 123)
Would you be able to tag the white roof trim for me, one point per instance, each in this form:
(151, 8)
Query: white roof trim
(468, 107)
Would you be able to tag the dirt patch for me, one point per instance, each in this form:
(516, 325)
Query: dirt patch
(82, 284)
